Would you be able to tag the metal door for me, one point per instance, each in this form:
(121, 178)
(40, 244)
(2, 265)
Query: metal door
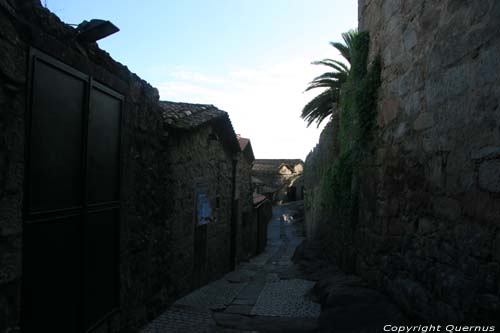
(71, 210)
(200, 256)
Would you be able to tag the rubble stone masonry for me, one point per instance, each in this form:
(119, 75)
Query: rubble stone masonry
(248, 226)
(161, 168)
(429, 226)
(195, 161)
(143, 238)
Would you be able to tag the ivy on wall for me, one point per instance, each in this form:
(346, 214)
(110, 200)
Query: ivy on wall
(338, 191)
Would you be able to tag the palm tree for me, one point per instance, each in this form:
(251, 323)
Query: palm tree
(326, 103)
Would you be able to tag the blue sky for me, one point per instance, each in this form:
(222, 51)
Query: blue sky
(250, 58)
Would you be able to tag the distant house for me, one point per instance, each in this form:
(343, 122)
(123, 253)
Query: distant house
(285, 169)
(299, 168)
(280, 178)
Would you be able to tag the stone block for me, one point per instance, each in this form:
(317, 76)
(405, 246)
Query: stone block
(13, 62)
(443, 311)
(423, 121)
(389, 111)
(411, 294)
(433, 141)
(11, 218)
(435, 171)
(413, 104)
(486, 61)
(486, 152)
(469, 265)
(446, 253)
(397, 227)
(8, 32)
(488, 303)
(452, 286)
(496, 247)
(453, 83)
(409, 37)
(447, 208)
(489, 176)
(487, 277)
(10, 258)
(459, 172)
(388, 208)
(400, 131)
(426, 226)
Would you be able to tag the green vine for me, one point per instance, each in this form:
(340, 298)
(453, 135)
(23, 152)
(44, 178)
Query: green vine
(339, 187)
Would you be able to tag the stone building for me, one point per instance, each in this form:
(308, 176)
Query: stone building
(263, 212)
(281, 178)
(111, 205)
(202, 152)
(247, 225)
(79, 223)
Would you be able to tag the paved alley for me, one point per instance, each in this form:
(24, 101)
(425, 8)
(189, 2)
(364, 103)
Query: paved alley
(264, 294)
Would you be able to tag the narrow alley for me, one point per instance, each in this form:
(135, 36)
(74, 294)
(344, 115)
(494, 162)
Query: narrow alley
(290, 287)
(164, 176)
(264, 294)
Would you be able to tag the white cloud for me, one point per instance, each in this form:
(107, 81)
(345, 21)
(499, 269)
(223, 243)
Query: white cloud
(197, 77)
(264, 104)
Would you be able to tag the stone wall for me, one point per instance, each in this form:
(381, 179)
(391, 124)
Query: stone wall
(317, 163)
(12, 106)
(196, 161)
(262, 215)
(431, 198)
(247, 241)
(428, 231)
(144, 290)
(161, 168)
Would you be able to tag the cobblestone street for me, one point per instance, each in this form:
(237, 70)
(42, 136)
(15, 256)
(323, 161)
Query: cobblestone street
(264, 294)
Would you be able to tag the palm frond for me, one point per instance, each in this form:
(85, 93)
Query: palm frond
(318, 108)
(343, 49)
(346, 48)
(323, 84)
(337, 65)
(349, 37)
(325, 104)
(339, 76)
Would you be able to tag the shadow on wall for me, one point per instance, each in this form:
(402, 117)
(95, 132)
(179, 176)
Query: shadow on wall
(105, 236)
(428, 226)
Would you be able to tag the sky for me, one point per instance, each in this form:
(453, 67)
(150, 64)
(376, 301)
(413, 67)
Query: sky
(251, 58)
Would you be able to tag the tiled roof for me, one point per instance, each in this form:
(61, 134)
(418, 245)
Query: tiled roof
(272, 165)
(243, 142)
(258, 198)
(246, 148)
(187, 115)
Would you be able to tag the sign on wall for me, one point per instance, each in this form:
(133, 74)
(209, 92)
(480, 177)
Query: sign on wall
(204, 213)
